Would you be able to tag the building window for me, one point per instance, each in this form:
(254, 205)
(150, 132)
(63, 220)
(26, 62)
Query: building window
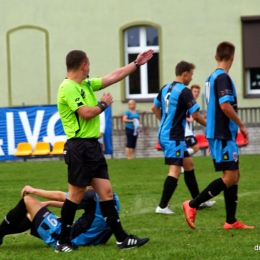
(253, 79)
(143, 83)
(251, 54)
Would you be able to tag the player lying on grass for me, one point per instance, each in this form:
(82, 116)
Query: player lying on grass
(30, 213)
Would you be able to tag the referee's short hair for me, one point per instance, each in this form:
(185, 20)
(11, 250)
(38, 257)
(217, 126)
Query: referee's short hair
(74, 59)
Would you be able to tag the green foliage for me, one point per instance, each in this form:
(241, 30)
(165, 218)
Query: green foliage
(139, 185)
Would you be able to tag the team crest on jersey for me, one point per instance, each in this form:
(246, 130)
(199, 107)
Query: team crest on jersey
(222, 93)
(178, 154)
(235, 157)
(225, 156)
(228, 91)
(82, 93)
(77, 99)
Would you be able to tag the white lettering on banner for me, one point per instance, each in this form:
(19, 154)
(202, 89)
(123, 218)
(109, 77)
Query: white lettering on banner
(10, 132)
(1, 150)
(32, 137)
(51, 138)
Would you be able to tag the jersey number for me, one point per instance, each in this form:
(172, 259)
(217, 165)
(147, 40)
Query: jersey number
(166, 101)
(52, 221)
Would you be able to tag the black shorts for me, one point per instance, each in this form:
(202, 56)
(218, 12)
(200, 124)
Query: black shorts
(85, 161)
(190, 140)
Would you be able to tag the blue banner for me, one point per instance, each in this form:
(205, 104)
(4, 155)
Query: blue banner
(37, 124)
(108, 131)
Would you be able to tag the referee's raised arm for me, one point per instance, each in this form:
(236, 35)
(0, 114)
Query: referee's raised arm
(123, 72)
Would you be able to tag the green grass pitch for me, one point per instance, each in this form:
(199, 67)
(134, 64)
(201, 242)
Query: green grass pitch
(139, 185)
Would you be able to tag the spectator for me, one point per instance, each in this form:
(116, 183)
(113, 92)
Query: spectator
(132, 128)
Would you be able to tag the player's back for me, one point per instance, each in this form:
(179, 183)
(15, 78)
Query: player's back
(219, 89)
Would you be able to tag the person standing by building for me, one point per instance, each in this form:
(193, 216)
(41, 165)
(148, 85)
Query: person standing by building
(132, 127)
(170, 107)
(79, 111)
(221, 132)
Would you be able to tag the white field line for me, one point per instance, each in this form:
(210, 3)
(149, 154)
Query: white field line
(140, 209)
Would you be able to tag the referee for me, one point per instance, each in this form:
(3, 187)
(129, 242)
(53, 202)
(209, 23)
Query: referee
(79, 112)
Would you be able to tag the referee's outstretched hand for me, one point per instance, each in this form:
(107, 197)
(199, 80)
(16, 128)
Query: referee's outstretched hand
(143, 57)
(107, 98)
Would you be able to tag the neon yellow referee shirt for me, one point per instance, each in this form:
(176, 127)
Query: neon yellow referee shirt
(72, 96)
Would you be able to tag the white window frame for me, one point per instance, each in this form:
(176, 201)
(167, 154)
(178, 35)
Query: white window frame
(248, 81)
(143, 69)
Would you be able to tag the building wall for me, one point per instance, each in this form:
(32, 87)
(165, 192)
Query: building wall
(36, 35)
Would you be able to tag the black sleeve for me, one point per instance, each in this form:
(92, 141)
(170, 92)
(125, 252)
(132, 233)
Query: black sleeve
(188, 98)
(223, 86)
(159, 96)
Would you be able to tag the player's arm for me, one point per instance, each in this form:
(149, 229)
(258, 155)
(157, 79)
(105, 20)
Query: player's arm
(157, 111)
(199, 118)
(50, 195)
(125, 119)
(189, 119)
(193, 106)
(123, 72)
(90, 112)
(229, 111)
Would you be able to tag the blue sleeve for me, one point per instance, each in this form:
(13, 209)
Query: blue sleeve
(126, 113)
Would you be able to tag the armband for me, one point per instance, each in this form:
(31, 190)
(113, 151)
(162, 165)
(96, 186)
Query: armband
(102, 105)
(136, 64)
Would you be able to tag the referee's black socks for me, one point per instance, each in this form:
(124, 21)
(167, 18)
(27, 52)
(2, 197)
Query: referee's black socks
(67, 216)
(109, 212)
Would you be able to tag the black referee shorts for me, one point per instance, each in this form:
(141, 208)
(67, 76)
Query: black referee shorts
(85, 161)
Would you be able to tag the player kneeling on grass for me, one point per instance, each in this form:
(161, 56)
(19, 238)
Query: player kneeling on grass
(89, 229)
